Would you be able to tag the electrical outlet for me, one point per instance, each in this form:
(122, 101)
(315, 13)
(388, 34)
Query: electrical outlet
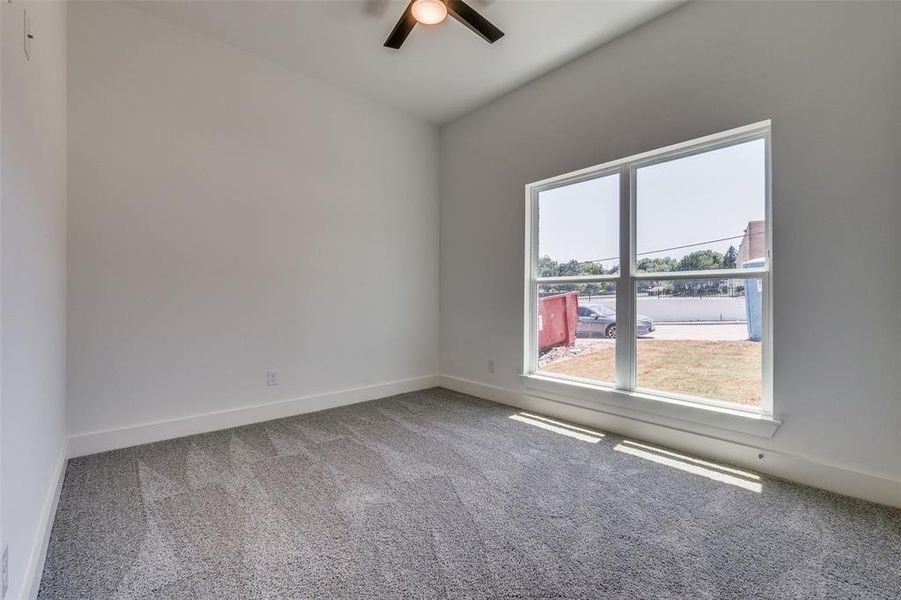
(491, 366)
(5, 576)
(272, 377)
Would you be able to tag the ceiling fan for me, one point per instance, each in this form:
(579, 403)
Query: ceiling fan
(432, 12)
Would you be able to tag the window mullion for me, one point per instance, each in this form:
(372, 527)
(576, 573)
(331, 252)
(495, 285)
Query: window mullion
(625, 297)
(579, 279)
(530, 347)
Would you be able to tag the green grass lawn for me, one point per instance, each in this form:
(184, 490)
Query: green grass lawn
(721, 370)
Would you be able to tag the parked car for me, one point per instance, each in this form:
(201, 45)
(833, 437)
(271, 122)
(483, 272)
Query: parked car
(599, 320)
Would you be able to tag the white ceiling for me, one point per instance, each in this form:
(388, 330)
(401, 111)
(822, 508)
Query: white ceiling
(441, 72)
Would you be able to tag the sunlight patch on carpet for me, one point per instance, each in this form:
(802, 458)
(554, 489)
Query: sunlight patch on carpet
(716, 472)
(579, 433)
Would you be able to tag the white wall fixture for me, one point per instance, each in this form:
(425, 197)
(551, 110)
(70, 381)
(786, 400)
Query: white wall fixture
(27, 34)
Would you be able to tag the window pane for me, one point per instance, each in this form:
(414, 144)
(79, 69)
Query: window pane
(702, 337)
(704, 211)
(577, 330)
(578, 228)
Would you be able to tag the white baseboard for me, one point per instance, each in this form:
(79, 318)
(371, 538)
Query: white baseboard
(35, 568)
(111, 439)
(836, 478)
(868, 486)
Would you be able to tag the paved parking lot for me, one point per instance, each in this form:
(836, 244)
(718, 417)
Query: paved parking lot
(700, 331)
(715, 330)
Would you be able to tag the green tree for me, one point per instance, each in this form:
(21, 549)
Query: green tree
(701, 260)
(730, 258)
(547, 267)
(657, 265)
(590, 268)
(570, 269)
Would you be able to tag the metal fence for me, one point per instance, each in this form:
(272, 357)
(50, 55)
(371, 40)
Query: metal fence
(691, 288)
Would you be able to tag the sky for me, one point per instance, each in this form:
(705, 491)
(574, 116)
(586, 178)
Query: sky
(685, 201)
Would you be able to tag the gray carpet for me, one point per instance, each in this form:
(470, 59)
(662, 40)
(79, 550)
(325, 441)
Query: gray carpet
(436, 494)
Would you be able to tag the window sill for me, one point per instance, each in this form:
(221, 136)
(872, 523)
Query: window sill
(651, 408)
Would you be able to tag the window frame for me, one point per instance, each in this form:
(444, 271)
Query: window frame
(628, 275)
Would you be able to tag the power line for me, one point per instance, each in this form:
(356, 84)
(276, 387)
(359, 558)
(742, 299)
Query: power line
(725, 239)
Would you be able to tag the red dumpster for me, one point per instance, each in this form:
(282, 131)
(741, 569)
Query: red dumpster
(558, 317)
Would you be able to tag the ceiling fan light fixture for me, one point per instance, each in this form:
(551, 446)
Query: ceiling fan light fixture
(429, 12)
(432, 12)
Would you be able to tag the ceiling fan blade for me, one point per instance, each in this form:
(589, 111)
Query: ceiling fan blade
(402, 29)
(472, 19)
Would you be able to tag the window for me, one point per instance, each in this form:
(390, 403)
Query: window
(651, 274)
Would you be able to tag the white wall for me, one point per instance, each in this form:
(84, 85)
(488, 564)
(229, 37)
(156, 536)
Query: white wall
(828, 76)
(33, 282)
(229, 215)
